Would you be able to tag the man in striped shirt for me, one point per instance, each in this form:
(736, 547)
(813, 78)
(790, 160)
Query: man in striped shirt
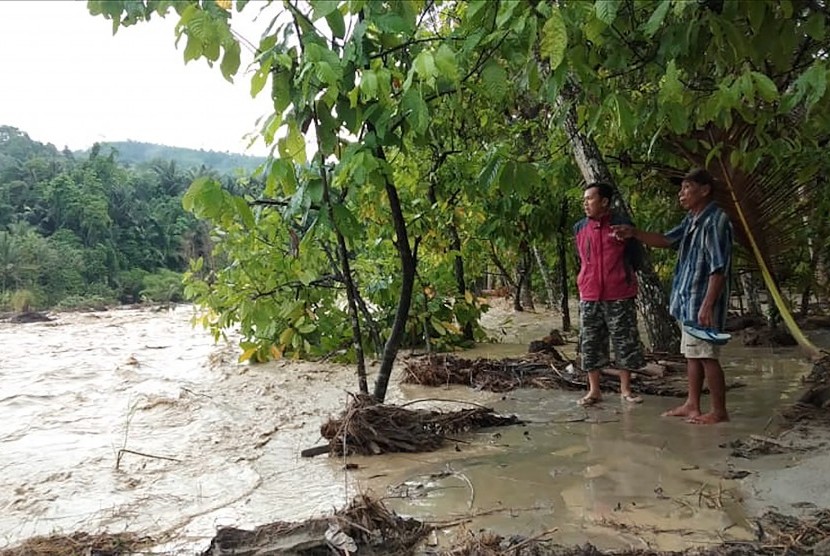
(700, 289)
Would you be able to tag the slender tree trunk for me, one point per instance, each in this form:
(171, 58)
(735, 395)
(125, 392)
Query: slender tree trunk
(455, 244)
(562, 252)
(351, 288)
(522, 276)
(652, 301)
(750, 287)
(527, 277)
(517, 293)
(546, 280)
(390, 350)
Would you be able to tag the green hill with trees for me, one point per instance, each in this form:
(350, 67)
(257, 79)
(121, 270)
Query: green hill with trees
(86, 229)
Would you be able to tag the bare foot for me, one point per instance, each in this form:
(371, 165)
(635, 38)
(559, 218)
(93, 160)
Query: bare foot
(682, 411)
(589, 400)
(708, 419)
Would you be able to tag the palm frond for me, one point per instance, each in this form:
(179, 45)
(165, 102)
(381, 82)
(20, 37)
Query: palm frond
(766, 206)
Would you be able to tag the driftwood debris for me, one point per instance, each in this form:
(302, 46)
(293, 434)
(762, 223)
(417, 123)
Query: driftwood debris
(537, 370)
(29, 317)
(366, 527)
(369, 428)
(81, 544)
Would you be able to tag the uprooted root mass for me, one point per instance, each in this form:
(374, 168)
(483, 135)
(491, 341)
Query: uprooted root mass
(81, 544)
(535, 370)
(368, 428)
(368, 527)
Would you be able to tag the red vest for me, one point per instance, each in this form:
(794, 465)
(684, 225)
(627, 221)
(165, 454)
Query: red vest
(604, 274)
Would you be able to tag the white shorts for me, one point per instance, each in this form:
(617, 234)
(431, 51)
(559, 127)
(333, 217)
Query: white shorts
(694, 348)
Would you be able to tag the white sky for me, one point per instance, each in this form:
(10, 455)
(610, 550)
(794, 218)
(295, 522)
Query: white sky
(65, 79)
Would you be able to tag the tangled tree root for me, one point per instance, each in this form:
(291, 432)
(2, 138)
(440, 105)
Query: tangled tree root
(535, 370)
(777, 534)
(369, 428)
(81, 544)
(366, 527)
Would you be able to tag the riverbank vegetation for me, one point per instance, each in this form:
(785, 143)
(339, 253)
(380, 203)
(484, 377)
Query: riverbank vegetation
(420, 147)
(87, 230)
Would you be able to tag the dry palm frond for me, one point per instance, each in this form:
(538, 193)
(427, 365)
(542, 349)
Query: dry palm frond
(766, 206)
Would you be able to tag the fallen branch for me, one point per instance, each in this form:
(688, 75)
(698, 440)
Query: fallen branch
(123, 451)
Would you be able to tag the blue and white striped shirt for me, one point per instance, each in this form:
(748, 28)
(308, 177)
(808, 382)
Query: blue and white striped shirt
(704, 243)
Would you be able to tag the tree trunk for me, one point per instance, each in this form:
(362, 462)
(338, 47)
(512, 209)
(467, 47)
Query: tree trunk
(351, 288)
(526, 265)
(517, 293)
(455, 245)
(390, 350)
(750, 287)
(543, 270)
(562, 251)
(652, 301)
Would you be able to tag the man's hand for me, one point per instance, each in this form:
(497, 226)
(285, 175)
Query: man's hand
(624, 231)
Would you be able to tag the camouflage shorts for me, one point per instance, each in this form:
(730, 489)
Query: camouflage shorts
(614, 320)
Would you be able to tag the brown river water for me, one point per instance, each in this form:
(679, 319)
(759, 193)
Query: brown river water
(133, 420)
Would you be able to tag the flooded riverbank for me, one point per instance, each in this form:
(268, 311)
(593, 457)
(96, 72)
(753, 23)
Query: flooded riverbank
(132, 420)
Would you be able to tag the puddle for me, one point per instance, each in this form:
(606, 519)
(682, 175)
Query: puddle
(132, 420)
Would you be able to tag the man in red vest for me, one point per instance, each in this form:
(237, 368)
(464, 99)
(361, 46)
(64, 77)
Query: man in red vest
(607, 285)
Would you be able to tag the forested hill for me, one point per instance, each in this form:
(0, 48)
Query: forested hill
(136, 152)
(80, 229)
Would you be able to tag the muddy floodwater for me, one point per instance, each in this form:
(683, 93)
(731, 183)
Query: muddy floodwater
(132, 420)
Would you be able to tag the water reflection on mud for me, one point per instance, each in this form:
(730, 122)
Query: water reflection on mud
(205, 442)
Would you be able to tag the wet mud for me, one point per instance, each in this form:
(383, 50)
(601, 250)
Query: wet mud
(131, 420)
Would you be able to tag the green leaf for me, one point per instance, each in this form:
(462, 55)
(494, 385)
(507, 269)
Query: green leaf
(392, 23)
(230, 61)
(322, 8)
(494, 81)
(554, 38)
(417, 112)
(671, 89)
(337, 24)
(281, 90)
(204, 198)
(244, 212)
(369, 85)
(656, 20)
(192, 50)
(293, 144)
(756, 12)
(815, 27)
(259, 79)
(348, 225)
(424, 65)
(606, 10)
(765, 86)
(446, 63)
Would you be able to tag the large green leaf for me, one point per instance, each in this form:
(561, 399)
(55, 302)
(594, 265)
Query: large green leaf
(554, 38)
(417, 112)
(606, 10)
(494, 81)
(657, 17)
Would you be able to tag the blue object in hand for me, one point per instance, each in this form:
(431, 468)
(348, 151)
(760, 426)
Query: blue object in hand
(706, 334)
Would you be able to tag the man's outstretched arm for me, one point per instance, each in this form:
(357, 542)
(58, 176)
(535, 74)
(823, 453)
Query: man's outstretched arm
(652, 239)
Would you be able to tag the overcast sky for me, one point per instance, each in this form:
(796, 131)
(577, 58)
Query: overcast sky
(65, 79)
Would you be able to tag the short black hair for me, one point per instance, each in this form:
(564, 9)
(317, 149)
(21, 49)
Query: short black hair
(605, 190)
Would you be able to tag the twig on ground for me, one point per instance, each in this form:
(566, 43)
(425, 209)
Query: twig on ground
(126, 451)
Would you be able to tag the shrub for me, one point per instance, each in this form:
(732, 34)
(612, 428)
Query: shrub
(22, 301)
(165, 286)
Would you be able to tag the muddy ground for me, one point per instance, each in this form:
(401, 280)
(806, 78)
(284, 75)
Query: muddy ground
(791, 455)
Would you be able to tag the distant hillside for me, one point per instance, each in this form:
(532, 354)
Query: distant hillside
(135, 152)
